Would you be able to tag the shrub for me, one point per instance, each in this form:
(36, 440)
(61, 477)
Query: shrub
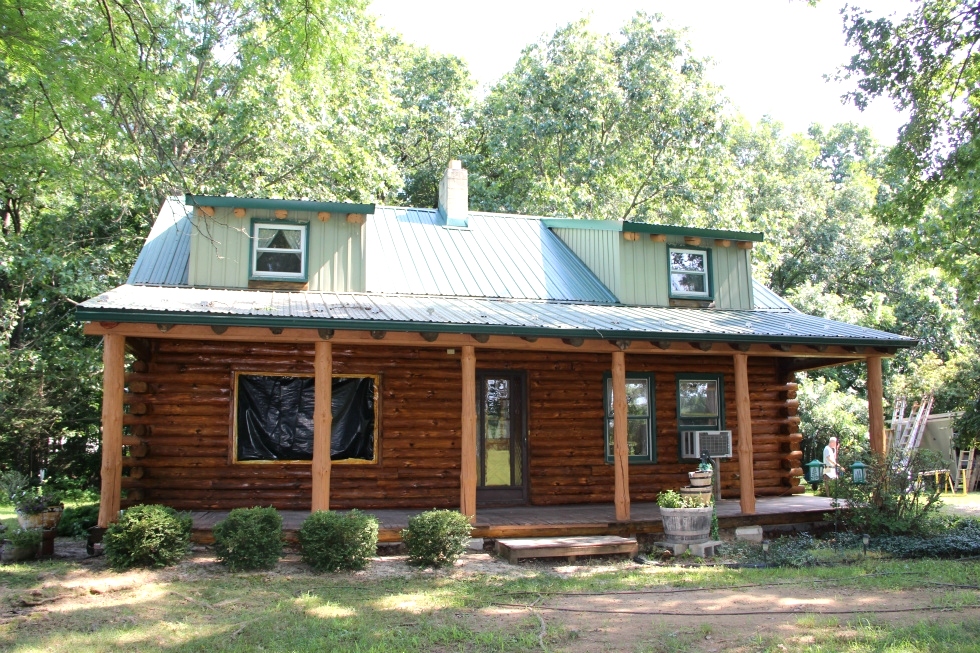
(331, 541)
(436, 538)
(953, 540)
(76, 521)
(147, 536)
(894, 501)
(249, 538)
(12, 484)
(672, 499)
(25, 538)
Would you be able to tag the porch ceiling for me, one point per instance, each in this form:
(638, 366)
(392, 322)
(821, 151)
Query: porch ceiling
(469, 315)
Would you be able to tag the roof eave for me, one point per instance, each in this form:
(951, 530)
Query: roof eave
(273, 204)
(88, 314)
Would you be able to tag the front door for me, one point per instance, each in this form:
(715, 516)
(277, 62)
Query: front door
(501, 446)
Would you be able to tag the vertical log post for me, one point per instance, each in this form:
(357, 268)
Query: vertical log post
(743, 414)
(322, 424)
(113, 374)
(620, 448)
(876, 412)
(467, 470)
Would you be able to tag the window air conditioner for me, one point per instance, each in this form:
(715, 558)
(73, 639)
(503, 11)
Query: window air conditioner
(718, 444)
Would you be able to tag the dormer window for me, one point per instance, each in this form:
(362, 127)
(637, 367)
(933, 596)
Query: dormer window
(279, 251)
(689, 272)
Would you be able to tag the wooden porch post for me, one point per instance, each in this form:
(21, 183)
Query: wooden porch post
(113, 375)
(743, 414)
(876, 412)
(322, 424)
(620, 449)
(467, 470)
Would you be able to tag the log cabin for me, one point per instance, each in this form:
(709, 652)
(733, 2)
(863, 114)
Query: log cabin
(316, 355)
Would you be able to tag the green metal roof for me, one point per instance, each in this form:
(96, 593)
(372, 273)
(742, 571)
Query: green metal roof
(276, 204)
(364, 311)
(646, 228)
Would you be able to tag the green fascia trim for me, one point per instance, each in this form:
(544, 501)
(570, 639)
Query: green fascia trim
(273, 204)
(174, 317)
(645, 228)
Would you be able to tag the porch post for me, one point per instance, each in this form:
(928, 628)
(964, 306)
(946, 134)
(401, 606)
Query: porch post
(467, 470)
(322, 424)
(743, 415)
(113, 375)
(876, 412)
(620, 449)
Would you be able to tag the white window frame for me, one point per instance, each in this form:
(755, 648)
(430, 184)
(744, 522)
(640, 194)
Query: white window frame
(672, 271)
(302, 251)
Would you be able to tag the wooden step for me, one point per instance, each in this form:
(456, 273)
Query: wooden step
(565, 547)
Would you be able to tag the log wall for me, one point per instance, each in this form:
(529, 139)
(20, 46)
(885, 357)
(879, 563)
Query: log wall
(179, 409)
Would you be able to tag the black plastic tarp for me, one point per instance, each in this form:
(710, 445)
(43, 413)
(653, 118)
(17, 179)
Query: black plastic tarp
(275, 418)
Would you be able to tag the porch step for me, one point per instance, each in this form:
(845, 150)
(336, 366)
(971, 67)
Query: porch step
(565, 547)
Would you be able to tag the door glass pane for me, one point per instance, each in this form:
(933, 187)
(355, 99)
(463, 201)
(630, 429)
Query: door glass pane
(497, 464)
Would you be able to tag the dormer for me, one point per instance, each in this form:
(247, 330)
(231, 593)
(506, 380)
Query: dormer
(663, 265)
(277, 244)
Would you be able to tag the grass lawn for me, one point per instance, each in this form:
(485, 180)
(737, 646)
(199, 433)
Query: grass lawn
(487, 605)
(967, 504)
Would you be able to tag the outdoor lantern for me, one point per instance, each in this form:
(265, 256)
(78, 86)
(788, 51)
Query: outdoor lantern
(814, 472)
(859, 473)
(765, 552)
(865, 540)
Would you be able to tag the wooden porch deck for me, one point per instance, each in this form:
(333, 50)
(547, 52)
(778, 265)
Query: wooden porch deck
(579, 519)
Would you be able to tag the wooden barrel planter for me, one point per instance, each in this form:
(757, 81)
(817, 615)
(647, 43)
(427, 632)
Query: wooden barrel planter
(47, 519)
(699, 479)
(687, 524)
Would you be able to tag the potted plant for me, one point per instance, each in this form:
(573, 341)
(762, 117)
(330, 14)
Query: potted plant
(687, 518)
(37, 510)
(22, 544)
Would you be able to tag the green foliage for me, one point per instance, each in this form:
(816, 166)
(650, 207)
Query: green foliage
(75, 521)
(928, 64)
(25, 538)
(436, 538)
(795, 551)
(958, 539)
(827, 412)
(12, 485)
(588, 125)
(672, 499)
(333, 541)
(29, 502)
(249, 538)
(147, 536)
(894, 501)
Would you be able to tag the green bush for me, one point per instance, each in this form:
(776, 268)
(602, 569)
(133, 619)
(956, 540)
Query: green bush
(148, 536)
(893, 501)
(76, 521)
(25, 538)
(672, 499)
(249, 538)
(952, 539)
(436, 538)
(331, 541)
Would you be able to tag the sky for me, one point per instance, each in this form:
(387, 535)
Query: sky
(770, 56)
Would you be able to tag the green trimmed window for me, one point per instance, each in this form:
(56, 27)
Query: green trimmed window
(279, 251)
(640, 418)
(700, 402)
(690, 272)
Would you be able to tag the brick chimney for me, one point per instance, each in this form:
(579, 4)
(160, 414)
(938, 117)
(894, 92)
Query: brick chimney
(454, 200)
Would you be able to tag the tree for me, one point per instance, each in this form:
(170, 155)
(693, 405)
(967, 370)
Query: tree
(928, 63)
(586, 125)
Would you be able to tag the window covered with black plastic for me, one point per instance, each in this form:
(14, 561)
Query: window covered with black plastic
(275, 418)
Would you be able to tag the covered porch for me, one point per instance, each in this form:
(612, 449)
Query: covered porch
(568, 520)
